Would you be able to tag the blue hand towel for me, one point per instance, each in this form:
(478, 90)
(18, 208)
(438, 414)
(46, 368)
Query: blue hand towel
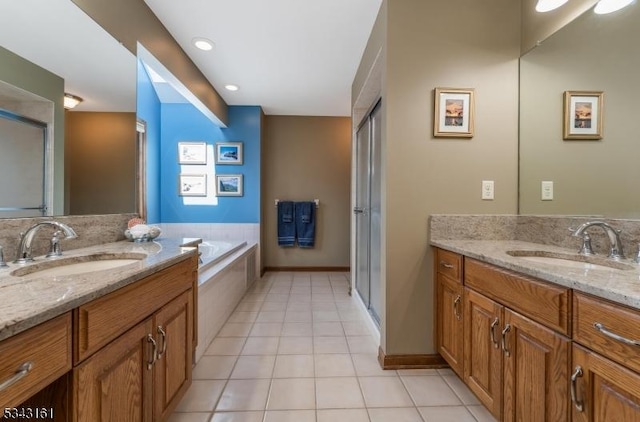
(305, 224)
(286, 224)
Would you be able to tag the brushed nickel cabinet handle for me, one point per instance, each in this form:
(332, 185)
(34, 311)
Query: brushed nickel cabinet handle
(492, 330)
(579, 405)
(506, 351)
(456, 311)
(154, 351)
(446, 265)
(164, 341)
(615, 336)
(22, 372)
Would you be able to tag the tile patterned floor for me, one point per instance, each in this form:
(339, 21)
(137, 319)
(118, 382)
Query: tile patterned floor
(296, 349)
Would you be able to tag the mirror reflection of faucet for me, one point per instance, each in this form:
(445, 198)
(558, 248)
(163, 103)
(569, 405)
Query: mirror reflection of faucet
(26, 240)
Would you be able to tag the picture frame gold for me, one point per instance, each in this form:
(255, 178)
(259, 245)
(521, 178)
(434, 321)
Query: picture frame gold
(583, 115)
(453, 115)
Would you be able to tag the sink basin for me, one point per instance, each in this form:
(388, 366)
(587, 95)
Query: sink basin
(570, 260)
(79, 264)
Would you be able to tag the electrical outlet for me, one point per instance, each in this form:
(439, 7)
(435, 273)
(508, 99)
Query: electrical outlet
(547, 191)
(487, 189)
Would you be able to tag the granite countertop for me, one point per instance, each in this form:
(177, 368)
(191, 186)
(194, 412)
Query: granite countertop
(619, 285)
(32, 299)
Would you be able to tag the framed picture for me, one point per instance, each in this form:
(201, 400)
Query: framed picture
(229, 153)
(192, 153)
(192, 185)
(229, 185)
(453, 113)
(583, 114)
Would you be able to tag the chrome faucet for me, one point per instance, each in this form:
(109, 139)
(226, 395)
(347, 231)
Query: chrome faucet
(26, 239)
(615, 251)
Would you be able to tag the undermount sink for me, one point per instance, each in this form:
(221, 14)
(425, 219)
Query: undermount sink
(588, 262)
(79, 264)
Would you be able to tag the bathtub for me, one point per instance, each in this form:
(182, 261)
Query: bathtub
(213, 251)
(225, 272)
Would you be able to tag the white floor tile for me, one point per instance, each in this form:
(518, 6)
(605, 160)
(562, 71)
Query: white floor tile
(367, 365)
(384, 392)
(481, 413)
(238, 417)
(290, 416)
(254, 367)
(295, 345)
(338, 393)
(294, 366)
(404, 414)
(343, 415)
(244, 395)
(189, 417)
(334, 365)
(229, 346)
(261, 346)
(214, 367)
(201, 396)
(292, 393)
(446, 414)
(426, 390)
(328, 344)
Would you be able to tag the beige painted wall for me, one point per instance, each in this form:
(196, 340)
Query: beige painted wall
(590, 177)
(537, 27)
(132, 21)
(305, 158)
(101, 162)
(441, 44)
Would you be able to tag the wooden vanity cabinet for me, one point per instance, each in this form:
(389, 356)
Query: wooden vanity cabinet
(605, 379)
(142, 374)
(516, 353)
(482, 353)
(449, 304)
(33, 359)
(536, 365)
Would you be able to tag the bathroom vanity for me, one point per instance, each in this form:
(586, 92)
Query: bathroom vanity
(106, 345)
(539, 340)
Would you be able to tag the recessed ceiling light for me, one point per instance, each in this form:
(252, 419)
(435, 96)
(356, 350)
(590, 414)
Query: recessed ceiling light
(203, 43)
(549, 5)
(609, 6)
(70, 101)
(231, 87)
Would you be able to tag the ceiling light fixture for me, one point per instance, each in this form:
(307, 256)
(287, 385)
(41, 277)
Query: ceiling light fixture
(231, 87)
(609, 6)
(549, 5)
(71, 101)
(203, 43)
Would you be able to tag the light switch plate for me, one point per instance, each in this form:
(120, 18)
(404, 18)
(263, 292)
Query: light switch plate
(547, 191)
(487, 189)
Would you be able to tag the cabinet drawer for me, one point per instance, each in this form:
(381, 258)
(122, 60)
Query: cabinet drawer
(449, 264)
(48, 349)
(616, 324)
(543, 302)
(102, 320)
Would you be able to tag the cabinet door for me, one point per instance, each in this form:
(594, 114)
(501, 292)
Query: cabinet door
(173, 327)
(482, 354)
(449, 320)
(536, 366)
(603, 391)
(114, 385)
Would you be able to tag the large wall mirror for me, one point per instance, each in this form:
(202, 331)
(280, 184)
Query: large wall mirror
(93, 163)
(590, 177)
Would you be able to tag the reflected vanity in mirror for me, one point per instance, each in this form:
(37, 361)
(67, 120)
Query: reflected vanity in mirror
(590, 177)
(91, 161)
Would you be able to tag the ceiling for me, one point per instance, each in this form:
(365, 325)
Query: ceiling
(291, 57)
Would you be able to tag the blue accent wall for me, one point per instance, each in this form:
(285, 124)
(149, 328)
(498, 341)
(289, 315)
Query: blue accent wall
(183, 122)
(148, 109)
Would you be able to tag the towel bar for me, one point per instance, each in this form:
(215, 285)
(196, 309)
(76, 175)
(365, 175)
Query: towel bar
(316, 201)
